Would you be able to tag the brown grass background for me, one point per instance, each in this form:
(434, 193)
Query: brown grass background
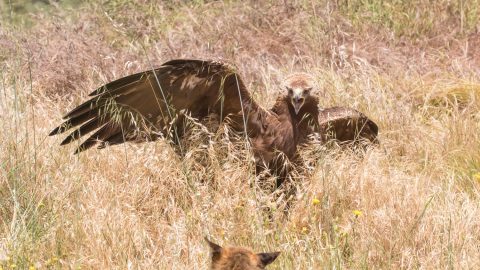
(412, 66)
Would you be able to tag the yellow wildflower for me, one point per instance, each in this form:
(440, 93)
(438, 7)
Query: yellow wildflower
(31, 267)
(13, 266)
(357, 213)
(51, 261)
(304, 229)
(315, 201)
(477, 176)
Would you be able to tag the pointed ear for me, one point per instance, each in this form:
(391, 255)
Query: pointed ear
(267, 258)
(216, 249)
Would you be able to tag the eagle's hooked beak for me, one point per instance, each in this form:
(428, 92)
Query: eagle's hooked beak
(297, 104)
(297, 108)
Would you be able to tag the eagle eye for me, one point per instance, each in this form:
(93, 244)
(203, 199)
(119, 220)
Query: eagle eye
(306, 91)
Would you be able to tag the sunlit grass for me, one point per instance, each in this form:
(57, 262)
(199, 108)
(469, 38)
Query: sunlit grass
(412, 202)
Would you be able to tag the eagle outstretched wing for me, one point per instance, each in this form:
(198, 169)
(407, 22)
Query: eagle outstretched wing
(345, 125)
(146, 105)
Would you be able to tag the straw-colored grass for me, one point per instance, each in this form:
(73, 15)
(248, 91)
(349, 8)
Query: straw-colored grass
(412, 202)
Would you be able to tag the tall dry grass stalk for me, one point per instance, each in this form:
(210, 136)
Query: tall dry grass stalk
(413, 202)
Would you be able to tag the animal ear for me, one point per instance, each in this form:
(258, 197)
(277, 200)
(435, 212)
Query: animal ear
(267, 258)
(216, 249)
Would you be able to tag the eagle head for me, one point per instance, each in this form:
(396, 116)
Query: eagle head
(299, 86)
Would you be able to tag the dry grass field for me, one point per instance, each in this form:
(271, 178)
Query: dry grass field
(413, 202)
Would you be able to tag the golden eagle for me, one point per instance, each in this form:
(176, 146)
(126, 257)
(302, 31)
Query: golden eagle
(151, 104)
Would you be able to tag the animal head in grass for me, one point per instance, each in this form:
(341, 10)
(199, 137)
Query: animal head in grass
(238, 258)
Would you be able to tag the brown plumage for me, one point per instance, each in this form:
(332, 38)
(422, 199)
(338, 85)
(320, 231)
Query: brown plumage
(238, 258)
(346, 125)
(146, 105)
(151, 104)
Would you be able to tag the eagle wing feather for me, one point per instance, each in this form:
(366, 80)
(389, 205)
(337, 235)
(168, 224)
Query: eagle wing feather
(141, 106)
(346, 125)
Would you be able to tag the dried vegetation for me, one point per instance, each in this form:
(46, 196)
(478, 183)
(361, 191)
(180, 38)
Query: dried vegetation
(412, 66)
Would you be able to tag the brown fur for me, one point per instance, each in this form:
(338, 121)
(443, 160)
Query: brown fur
(239, 258)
